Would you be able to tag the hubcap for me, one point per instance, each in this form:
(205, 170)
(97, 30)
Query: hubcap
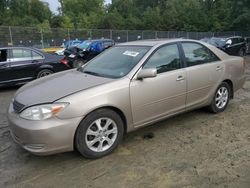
(46, 73)
(221, 97)
(101, 134)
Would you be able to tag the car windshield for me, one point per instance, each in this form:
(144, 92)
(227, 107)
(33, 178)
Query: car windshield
(84, 45)
(219, 42)
(115, 62)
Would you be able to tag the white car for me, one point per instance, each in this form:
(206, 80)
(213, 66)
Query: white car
(60, 52)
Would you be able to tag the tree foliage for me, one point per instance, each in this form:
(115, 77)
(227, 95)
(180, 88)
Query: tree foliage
(185, 15)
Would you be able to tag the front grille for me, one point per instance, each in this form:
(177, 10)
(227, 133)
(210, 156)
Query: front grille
(18, 107)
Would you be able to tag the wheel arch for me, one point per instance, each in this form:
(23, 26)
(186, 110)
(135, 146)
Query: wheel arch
(115, 109)
(230, 83)
(42, 67)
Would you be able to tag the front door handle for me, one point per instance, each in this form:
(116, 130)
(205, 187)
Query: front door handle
(219, 68)
(4, 65)
(180, 78)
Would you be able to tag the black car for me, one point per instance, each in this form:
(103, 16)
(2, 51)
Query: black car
(85, 51)
(19, 65)
(231, 45)
(247, 39)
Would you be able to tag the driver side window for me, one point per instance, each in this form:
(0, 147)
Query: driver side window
(165, 59)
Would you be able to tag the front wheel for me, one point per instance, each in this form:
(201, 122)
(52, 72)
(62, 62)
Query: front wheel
(99, 133)
(221, 98)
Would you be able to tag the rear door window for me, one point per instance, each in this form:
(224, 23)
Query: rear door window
(21, 55)
(36, 56)
(197, 54)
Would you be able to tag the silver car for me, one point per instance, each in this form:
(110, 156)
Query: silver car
(125, 88)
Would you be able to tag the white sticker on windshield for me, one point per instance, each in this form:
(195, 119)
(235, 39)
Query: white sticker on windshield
(131, 53)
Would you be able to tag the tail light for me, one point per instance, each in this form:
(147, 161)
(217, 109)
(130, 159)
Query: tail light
(65, 62)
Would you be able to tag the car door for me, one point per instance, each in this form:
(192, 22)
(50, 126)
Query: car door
(4, 67)
(163, 95)
(234, 48)
(24, 63)
(204, 73)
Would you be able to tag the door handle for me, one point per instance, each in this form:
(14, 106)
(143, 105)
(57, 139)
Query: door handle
(180, 78)
(219, 68)
(4, 65)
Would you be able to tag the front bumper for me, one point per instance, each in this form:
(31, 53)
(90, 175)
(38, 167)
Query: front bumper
(43, 137)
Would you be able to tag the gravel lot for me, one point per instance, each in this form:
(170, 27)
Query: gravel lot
(196, 149)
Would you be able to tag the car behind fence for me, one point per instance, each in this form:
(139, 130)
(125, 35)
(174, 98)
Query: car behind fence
(42, 38)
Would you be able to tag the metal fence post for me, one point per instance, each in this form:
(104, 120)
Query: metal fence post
(90, 34)
(68, 34)
(156, 34)
(127, 35)
(11, 39)
(42, 38)
(111, 34)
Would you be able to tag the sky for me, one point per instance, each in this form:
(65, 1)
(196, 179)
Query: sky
(54, 4)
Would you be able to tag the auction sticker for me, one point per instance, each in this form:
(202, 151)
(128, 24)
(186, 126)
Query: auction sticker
(131, 53)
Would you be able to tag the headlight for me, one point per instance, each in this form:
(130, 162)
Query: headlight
(42, 112)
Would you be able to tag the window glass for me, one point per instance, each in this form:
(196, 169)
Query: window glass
(197, 54)
(3, 55)
(107, 44)
(115, 62)
(235, 40)
(165, 59)
(21, 54)
(36, 55)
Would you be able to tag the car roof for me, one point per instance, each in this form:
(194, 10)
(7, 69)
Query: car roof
(99, 40)
(23, 47)
(154, 42)
(226, 37)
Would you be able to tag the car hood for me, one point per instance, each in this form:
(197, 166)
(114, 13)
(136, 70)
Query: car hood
(54, 87)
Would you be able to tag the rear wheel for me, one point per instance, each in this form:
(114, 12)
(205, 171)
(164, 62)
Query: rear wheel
(99, 133)
(44, 72)
(221, 98)
(241, 52)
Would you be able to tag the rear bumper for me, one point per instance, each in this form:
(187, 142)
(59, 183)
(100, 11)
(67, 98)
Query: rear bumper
(43, 137)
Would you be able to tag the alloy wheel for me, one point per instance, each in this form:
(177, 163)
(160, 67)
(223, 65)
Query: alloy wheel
(222, 97)
(101, 135)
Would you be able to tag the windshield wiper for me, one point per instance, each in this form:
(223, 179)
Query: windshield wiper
(91, 73)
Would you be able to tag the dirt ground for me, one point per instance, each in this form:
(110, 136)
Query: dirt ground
(196, 149)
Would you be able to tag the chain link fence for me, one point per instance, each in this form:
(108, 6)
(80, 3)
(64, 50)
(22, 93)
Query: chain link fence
(43, 38)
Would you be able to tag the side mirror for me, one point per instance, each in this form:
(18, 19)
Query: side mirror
(147, 73)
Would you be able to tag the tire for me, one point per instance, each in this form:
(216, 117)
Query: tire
(91, 141)
(78, 63)
(242, 52)
(220, 103)
(44, 72)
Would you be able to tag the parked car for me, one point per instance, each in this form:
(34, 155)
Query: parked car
(232, 45)
(68, 44)
(87, 50)
(125, 88)
(71, 43)
(19, 65)
(247, 39)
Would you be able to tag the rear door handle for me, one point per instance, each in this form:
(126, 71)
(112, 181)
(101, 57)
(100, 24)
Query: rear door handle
(180, 78)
